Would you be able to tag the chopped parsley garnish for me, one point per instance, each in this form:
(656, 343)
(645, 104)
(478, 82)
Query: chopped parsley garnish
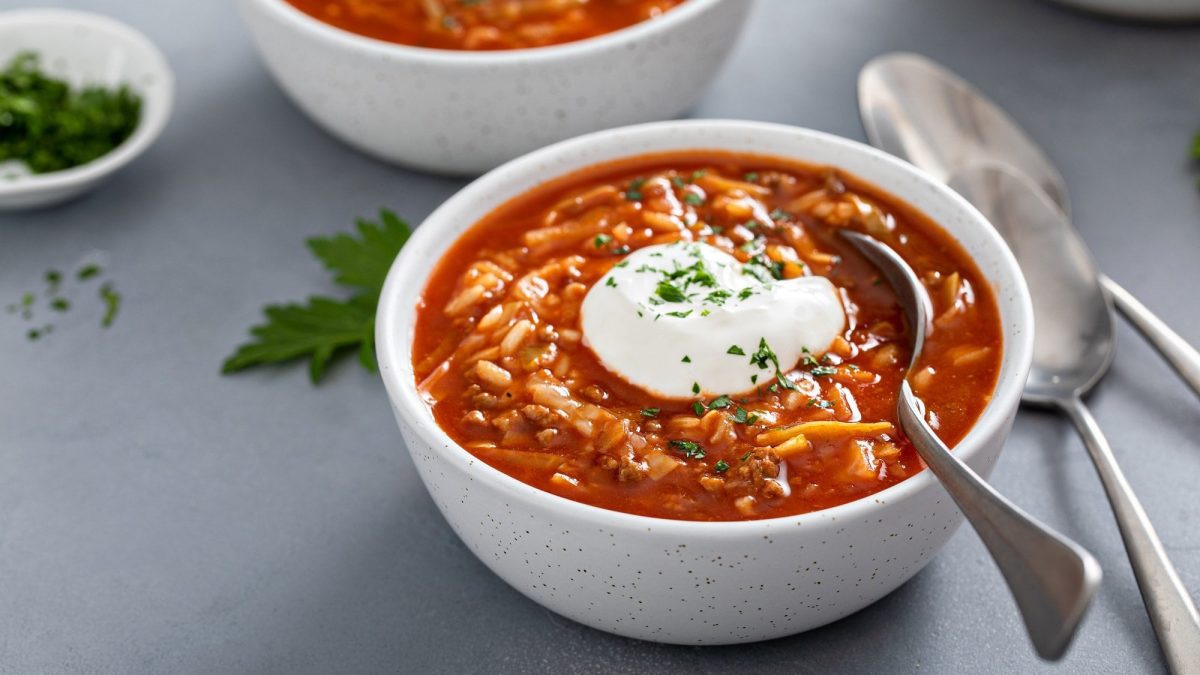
(601, 240)
(750, 177)
(670, 292)
(720, 403)
(87, 272)
(690, 449)
(780, 214)
(819, 403)
(745, 293)
(736, 350)
(693, 199)
(60, 304)
(746, 456)
(621, 250)
(611, 282)
(651, 412)
(740, 415)
(765, 358)
(680, 315)
(718, 297)
(721, 466)
(678, 182)
(698, 174)
(686, 359)
(48, 125)
(695, 387)
(698, 408)
(822, 371)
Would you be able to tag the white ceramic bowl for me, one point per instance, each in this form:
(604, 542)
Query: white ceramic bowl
(85, 49)
(466, 112)
(694, 582)
(1149, 10)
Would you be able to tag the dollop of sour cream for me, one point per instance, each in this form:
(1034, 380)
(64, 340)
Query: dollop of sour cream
(687, 319)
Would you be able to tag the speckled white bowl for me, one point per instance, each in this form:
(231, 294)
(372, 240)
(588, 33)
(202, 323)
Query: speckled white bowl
(689, 582)
(85, 49)
(465, 112)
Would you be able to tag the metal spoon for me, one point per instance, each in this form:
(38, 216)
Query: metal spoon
(916, 109)
(1073, 348)
(1051, 577)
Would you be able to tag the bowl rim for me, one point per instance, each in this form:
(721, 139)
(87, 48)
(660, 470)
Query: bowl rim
(155, 113)
(294, 17)
(395, 320)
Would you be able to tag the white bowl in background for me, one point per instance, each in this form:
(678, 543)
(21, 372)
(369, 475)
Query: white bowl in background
(465, 112)
(86, 49)
(697, 583)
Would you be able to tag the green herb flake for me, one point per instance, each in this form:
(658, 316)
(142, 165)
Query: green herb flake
(720, 403)
(60, 304)
(750, 177)
(601, 240)
(695, 387)
(693, 199)
(610, 282)
(690, 449)
(681, 315)
(823, 371)
(112, 304)
(698, 408)
(651, 412)
(670, 292)
(686, 359)
(735, 350)
(721, 466)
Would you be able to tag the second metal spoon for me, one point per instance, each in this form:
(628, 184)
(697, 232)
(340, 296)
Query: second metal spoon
(914, 108)
(1051, 577)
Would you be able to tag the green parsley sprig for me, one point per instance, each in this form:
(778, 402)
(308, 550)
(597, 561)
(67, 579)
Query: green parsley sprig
(322, 329)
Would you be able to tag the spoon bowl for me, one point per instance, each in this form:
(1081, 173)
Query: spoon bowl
(1075, 340)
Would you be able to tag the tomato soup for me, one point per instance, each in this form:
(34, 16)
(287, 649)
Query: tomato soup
(483, 24)
(503, 359)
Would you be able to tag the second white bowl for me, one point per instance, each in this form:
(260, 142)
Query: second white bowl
(465, 112)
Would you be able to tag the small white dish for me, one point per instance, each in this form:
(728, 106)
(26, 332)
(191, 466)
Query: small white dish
(85, 49)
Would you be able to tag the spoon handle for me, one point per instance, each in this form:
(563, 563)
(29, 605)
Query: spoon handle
(1051, 577)
(1173, 348)
(1171, 609)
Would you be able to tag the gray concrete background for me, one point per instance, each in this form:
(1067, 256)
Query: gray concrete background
(156, 517)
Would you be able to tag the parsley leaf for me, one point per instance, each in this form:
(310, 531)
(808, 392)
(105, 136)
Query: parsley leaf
(690, 449)
(363, 262)
(323, 328)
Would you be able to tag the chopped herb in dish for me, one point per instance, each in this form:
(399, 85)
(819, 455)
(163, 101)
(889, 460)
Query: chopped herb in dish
(49, 126)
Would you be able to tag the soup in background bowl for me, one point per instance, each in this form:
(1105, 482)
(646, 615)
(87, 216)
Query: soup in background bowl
(483, 24)
(465, 111)
(631, 558)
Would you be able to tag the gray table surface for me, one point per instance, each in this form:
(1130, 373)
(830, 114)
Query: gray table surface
(157, 517)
